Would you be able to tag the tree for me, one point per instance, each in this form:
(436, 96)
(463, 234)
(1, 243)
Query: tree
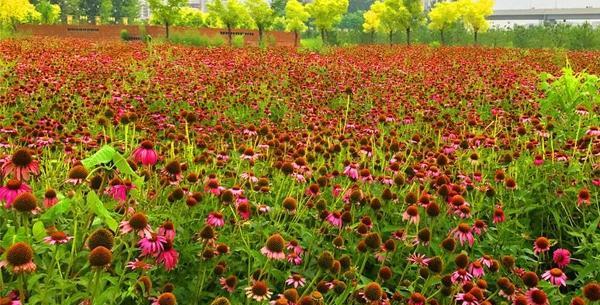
(474, 13)
(91, 9)
(16, 11)
(352, 21)
(166, 11)
(372, 19)
(394, 16)
(106, 10)
(327, 13)
(278, 7)
(129, 9)
(262, 14)
(49, 13)
(295, 18)
(443, 15)
(191, 17)
(231, 14)
(415, 9)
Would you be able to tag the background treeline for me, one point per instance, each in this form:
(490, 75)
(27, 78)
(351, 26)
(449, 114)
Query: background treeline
(318, 23)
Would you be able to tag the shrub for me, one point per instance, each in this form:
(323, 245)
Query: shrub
(193, 38)
(125, 35)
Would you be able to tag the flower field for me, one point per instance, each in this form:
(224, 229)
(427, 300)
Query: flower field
(158, 174)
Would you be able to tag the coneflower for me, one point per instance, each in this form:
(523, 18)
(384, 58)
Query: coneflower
(530, 279)
(145, 154)
(417, 299)
(166, 298)
(229, 283)
(555, 276)
(101, 237)
(536, 297)
(464, 234)
(11, 190)
(77, 174)
(57, 237)
(259, 291)
(20, 258)
(50, 198)
(21, 165)
(25, 203)
(373, 292)
(592, 291)
(411, 214)
(540, 245)
(274, 247)
(100, 257)
(220, 301)
(138, 223)
(295, 280)
(584, 197)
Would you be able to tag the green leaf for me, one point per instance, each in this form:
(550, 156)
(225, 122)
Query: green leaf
(98, 208)
(104, 155)
(58, 209)
(39, 231)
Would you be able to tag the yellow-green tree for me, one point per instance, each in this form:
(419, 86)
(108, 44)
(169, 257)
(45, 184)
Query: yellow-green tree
(166, 12)
(262, 14)
(372, 18)
(474, 13)
(13, 12)
(415, 9)
(230, 13)
(394, 16)
(295, 18)
(443, 15)
(327, 14)
(191, 17)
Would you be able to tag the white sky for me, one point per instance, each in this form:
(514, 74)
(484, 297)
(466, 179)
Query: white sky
(523, 4)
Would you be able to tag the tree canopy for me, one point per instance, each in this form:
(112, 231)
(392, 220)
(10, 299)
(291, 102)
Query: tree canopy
(327, 13)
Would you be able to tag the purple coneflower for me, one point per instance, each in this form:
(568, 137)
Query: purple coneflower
(152, 245)
(555, 276)
(295, 280)
(11, 190)
(145, 154)
(168, 256)
(21, 165)
(464, 233)
(274, 247)
(561, 257)
(335, 219)
(215, 219)
(139, 265)
(57, 237)
(259, 291)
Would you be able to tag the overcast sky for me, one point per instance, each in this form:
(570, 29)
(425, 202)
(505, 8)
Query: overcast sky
(519, 4)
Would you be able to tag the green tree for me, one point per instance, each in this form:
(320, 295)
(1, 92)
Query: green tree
(295, 18)
(394, 16)
(166, 12)
(231, 14)
(352, 21)
(191, 17)
(327, 14)
(49, 13)
(372, 19)
(90, 9)
(474, 13)
(129, 9)
(415, 9)
(442, 16)
(262, 14)
(278, 7)
(106, 10)
(14, 12)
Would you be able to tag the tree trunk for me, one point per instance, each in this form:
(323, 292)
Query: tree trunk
(391, 37)
(229, 34)
(372, 37)
(323, 36)
(442, 36)
(260, 35)
(408, 36)
(295, 39)
(475, 36)
(167, 29)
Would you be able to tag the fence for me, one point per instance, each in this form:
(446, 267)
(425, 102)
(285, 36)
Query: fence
(112, 32)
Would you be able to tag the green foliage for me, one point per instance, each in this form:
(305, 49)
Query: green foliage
(49, 13)
(443, 15)
(166, 12)
(191, 17)
(13, 12)
(569, 92)
(126, 8)
(193, 38)
(474, 13)
(124, 34)
(106, 10)
(261, 13)
(238, 42)
(231, 13)
(295, 16)
(327, 13)
(352, 21)
(312, 45)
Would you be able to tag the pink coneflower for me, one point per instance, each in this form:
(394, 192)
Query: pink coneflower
(417, 299)
(294, 258)
(295, 280)
(312, 190)
(249, 154)
(138, 223)
(259, 291)
(536, 296)
(145, 154)
(399, 234)
(11, 190)
(20, 258)
(229, 283)
(249, 176)
(50, 198)
(335, 219)
(561, 257)
(152, 245)
(213, 186)
(351, 171)
(77, 175)
(486, 260)
(411, 214)
(464, 234)
(499, 215)
(476, 269)
(168, 256)
(215, 219)
(540, 245)
(336, 190)
(418, 259)
(479, 227)
(538, 160)
(21, 165)
(555, 276)
(57, 237)
(295, 247)
(243, 209)
(139, 265)
(584, 197)
(274, 247)
(11, 299)
(461, 276)
(167, 229)
(118, 189)
(466, 299)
